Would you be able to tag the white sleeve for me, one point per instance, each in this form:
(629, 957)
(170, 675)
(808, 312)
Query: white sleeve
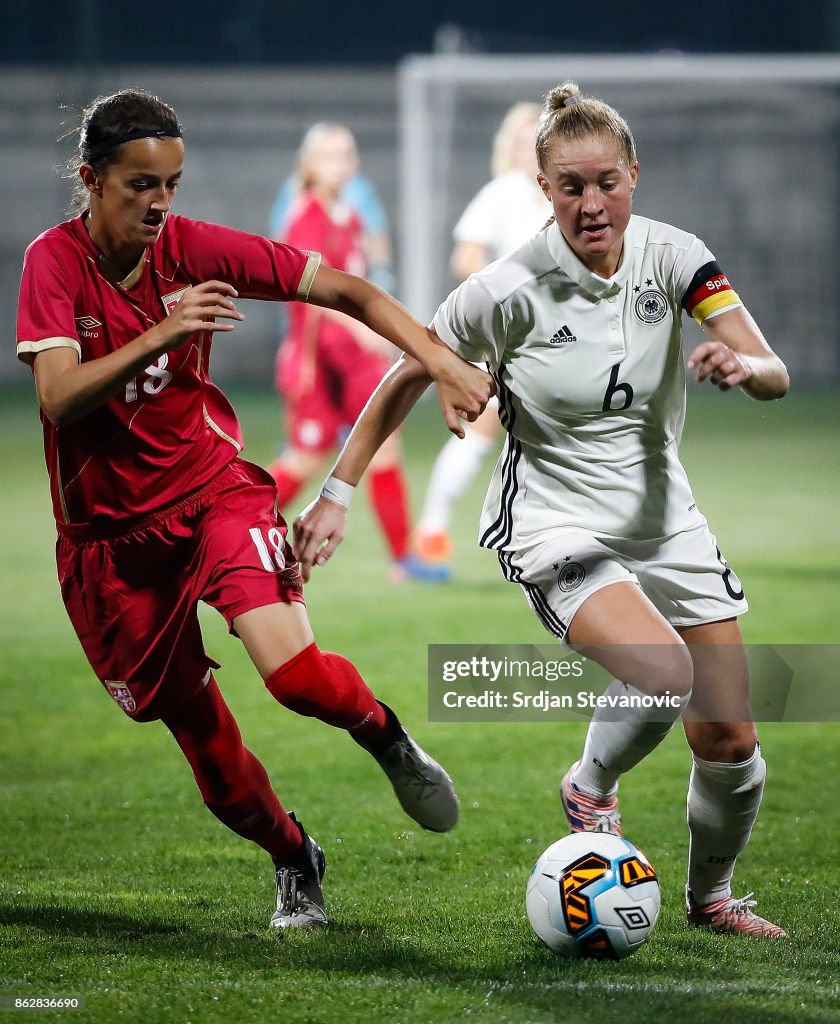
(472, 323)
(686, 265)
(477, 222)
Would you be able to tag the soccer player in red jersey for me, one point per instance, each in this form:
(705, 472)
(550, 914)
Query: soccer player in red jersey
(329, 364)
(155, 509)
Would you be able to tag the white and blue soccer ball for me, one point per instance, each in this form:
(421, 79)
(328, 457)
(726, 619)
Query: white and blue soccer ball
(593, 894)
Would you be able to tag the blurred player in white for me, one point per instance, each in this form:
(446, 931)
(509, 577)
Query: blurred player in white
(590, 509)
(498, 219)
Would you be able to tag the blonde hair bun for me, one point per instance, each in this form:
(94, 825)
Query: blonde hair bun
(561, 96)
(568, 116)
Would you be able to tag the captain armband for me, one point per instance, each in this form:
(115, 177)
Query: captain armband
(709, 293)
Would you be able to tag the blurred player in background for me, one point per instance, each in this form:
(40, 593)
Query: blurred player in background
(329, 364)
(154, 508)
(590, 510)
(503, 214)
(359, 194)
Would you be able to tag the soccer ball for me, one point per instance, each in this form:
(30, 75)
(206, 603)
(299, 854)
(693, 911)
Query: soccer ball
(593, 894)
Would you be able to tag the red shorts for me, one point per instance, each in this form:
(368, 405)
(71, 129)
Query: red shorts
(133, 597)
(328, 395)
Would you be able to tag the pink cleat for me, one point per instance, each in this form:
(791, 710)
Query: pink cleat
(587, 813)
(734, 917)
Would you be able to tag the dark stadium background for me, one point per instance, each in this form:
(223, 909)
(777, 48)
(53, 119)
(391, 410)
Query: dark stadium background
(370, 32)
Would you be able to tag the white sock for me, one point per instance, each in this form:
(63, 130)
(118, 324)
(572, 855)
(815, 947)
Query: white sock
(453, 472)
(723, 802)
(618, 739)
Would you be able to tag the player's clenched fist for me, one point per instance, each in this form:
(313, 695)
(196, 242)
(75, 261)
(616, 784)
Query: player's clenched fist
(716, 362)
(463, 390)
(198, 309)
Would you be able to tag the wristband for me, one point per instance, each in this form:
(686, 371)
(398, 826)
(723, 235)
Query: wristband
(338, 491)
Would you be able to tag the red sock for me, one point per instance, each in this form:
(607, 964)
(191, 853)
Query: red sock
(288, 484)
(389, 495)
(323, 685)
(233, 783)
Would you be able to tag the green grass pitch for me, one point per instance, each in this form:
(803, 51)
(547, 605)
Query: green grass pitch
(117, 886)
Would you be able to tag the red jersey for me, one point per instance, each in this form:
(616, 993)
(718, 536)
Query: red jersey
(337, 234)
(170, 430)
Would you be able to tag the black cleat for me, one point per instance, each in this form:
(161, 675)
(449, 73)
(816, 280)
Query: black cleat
(300, 901)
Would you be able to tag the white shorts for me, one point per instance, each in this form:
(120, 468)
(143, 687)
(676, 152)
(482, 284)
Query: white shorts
(685, 576)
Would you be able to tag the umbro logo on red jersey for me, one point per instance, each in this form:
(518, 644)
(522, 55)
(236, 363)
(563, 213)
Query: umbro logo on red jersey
(87, 326)
(563, 337)
(87, 323)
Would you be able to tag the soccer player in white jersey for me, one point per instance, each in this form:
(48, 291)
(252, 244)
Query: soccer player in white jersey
(589, 509)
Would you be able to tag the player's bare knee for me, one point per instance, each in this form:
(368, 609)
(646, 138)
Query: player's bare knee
(737, 751)
(726, 742)
(669, 671)
(655, 669)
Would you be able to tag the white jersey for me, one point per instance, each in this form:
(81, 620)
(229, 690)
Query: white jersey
(503, 214)
(591, 382)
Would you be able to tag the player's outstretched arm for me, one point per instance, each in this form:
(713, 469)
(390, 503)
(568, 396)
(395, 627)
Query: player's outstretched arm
(463, 390)
(319, 529)
(68, 389)
(737, 355)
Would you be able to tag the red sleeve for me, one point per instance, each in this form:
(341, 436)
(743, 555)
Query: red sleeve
(257, 267)
(45, 317)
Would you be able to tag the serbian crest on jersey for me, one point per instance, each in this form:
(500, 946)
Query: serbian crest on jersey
(651, 306)
(121, 694)
(171, 300)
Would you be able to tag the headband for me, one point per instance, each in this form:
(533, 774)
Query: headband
(142, 133)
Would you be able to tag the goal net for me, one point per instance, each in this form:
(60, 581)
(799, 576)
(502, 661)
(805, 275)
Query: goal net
(741, 151)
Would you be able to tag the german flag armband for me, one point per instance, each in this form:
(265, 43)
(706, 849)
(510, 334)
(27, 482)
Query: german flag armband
(709, 292)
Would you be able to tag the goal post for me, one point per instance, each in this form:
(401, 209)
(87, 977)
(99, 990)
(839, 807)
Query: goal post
(740, 150)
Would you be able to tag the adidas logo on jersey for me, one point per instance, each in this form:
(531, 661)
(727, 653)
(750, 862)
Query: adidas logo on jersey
(562, 337)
